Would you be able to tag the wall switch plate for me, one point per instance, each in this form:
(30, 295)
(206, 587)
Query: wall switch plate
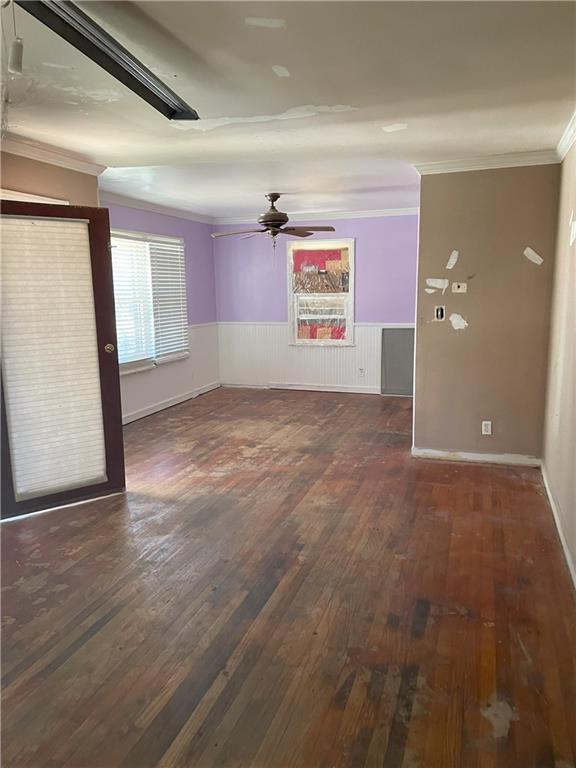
(486, 427)
(459, 287)
(439, 312)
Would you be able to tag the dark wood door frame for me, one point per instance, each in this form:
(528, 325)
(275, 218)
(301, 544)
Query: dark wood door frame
(102, 283)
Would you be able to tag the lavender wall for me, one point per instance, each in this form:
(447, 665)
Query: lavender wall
(235, 280)
(198, 245)
(251, 277)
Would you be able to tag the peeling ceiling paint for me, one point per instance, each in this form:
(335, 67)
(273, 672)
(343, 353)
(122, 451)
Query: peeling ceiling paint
(294, 113)
(259, 21)
(280, 71)
(394, 127)
(334, 129)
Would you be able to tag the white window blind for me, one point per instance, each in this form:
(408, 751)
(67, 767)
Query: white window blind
(133, 300)
(150, 298)
(169, 291)
(50, 357)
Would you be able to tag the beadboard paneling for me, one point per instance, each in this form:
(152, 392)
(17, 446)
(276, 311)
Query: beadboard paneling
(254, 355)
(260, 354)
(146, 392)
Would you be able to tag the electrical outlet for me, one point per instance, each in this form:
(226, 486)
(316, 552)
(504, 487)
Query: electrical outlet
(486, 427)
(362, 372)
(439, 312)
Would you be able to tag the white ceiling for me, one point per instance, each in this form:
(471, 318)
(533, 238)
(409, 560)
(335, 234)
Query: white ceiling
(454, 80)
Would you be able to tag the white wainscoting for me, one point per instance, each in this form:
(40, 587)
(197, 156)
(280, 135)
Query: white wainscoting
(255, 355)
(260, 355)
(146, 392)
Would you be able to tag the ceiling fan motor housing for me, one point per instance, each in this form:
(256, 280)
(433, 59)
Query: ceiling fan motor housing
(273, 218)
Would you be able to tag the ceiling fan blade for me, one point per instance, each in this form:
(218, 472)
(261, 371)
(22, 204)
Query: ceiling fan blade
(295, 232)
(242, 232)
(313, 229)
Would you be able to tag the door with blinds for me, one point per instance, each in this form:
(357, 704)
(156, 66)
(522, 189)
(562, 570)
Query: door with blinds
(61, 410)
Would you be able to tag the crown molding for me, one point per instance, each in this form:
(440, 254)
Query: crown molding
(512, 160)
(568, 138)
(45, 153)
(143, 205)
(164, 210)
(330, 215)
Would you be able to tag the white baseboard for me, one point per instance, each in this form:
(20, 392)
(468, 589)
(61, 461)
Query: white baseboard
(511, 459)
(556, 512)
(140, 414)
(325, 388)
(228, 385)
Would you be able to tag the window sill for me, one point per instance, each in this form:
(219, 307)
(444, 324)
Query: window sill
(172, 358)
(140, 366)
(137, 367)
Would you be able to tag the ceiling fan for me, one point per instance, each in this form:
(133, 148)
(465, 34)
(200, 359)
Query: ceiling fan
(273, 223)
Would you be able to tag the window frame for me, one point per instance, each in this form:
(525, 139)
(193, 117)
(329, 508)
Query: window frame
(349, 297)
(147, 364)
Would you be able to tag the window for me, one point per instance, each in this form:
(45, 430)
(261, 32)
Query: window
(150, 299)
(321, 292)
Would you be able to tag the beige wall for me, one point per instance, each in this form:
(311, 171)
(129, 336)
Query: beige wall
(560, 429)
(24, 175)
(496, 367)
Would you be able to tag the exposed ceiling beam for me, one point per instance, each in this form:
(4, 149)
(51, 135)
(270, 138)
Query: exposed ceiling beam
(77, 28)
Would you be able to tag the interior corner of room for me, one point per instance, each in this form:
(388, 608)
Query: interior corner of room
(259, 356)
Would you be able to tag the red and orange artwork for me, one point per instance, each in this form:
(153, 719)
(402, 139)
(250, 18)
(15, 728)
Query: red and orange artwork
(321, 260)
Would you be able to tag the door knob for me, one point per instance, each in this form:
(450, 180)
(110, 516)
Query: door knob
(109, 348)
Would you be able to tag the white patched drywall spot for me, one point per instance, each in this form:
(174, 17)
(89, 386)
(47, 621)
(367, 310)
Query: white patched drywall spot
(294, 113)
(451, 263)
(430, 290)
(280, 71)
(265, 23)
(458, 322)
(437, 284)
(534, 257)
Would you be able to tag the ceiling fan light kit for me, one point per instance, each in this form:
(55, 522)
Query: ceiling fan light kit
(16, 56)
(273, 223)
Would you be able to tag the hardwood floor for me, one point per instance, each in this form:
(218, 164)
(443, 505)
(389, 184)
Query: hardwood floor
(284, 586)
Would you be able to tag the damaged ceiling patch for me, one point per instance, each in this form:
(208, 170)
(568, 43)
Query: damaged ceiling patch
(454, 256)
(280, 71)
(437, 284)
(260, 21)
(534, 257)
(55, 65)
(394, 127)
(294, 113)
(458, 322)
